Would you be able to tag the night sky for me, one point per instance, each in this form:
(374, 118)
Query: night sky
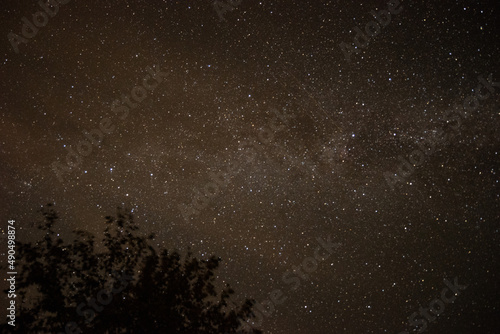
(260, 132)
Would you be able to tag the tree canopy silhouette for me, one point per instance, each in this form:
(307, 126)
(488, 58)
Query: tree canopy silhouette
(128, 287)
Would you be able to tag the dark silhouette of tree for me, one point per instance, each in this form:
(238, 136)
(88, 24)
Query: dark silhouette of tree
(126, 288)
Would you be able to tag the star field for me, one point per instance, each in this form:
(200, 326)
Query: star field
(294, 142)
